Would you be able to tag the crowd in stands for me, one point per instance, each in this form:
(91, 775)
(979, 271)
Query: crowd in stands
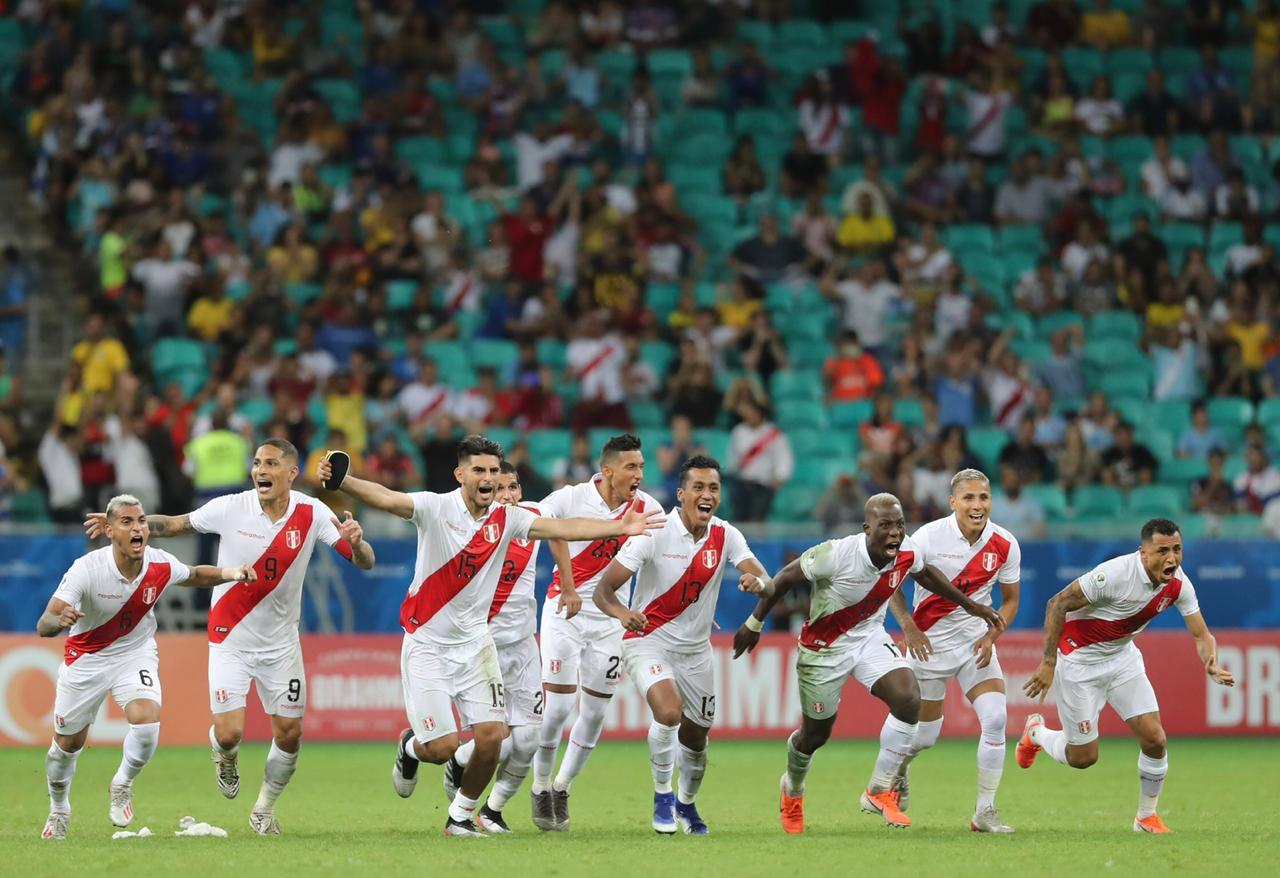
(843, 254)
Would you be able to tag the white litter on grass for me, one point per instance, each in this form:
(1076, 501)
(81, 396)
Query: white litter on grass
(193, 829)
(144, 832)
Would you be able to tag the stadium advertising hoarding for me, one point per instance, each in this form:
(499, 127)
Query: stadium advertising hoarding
(354, 691)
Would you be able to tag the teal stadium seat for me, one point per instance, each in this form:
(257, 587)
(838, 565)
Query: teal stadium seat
(987, 443)
(1093, 502)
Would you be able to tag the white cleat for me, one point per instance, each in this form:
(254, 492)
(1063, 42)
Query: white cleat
(462, 828)
(491, 821)
(264, 822)
(227, 772)
(56, 826)
(988, 820)
(121, 804)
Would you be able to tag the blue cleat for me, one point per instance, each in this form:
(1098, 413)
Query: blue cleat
(689, 820)
(664, 817)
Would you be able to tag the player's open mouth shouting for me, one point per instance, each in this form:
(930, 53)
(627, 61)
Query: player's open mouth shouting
(484, 491)
(891, 546)
(263, 484)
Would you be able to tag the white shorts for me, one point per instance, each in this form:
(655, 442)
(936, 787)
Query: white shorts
(84, 684)
(822, 674)
(960, 663)
(437, 679)
(583, 651)
(648, 661)
(522, 681)
(1081, 690)
(279, 678)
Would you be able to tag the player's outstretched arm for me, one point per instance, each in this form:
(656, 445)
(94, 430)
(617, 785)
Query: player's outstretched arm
(57, 617)
(933, 580)
(606, 598)
(371, 493)
(1055, 616)
(95, 525)
(748, 634)
(633, 524)
(206, 575)
(1207, 646)
(570, 601)
(918, 645)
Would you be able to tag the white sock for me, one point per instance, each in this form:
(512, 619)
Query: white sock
(895, 744)
(927, 732)
(583, 738)
(213, 740)
(275, 776)
(59, 768)
(559, 706)
(993, 715)
(139, 745)
(797, 766)
(462, 808)
(523, 744)
(662, 755)
(462, 755)
(1054, 742)
(693, 765)
(1151, 774)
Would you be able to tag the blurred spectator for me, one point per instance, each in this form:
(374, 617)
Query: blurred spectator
(1077, 464)
(1154, 112)
(596, 359)
(131, 459)
(987, 108)
(1100, 113)
(867, 300)
(1235, 200)
(59, 457)
(1085, 249)
(1143, 250)
(748, 79)
(1127, 462)
(1014, 508)
(16, 284)
(816, 229)
(956, 388)
(1259, 484)
(1006, 384)
(880, 433)
(1024, 456)
(1209, 168)
(1051, 427)
(822, 119)
(692, 393)
(1105, 28)
(672, 455)
(841, 504)
(803, 170)
(881, 110)
(1161, 170)
(761, 348)
(1211, 92)
(1213, 494)
(769, 256)
(1200, 438)
(1053, 23)
(743, 174)
(700, 88)
(100, 355)
(975, 197)
(760, 460)
(1041, 290)
(1022, 198)
(1177, 363)
(578, 467)
(389, 465)
(164, 280)
(1098, 422)
(852, 373)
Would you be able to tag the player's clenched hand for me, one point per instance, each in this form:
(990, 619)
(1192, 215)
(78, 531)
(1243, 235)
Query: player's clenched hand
(753, 585)
(986, 614)
(242, 574)
(95, 524)
(350, 529)
(982, 649)
(633, 620)
(69, 616)
(1037, 686)
(570, 603)
(918, 645)
(636, 523)
(1219, 674)
(323, 470)
(744, 640)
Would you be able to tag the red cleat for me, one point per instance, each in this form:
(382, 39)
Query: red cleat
(1150, 824)
(1027, 748)
(791, 810)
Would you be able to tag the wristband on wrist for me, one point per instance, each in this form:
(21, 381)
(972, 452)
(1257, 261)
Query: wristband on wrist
(753, 624)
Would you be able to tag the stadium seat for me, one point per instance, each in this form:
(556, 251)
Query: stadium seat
(716, 442)
(1095, 502)
(908, 412)
(1172, 414)
(1129, 59)
(1118, 384)
(1230, 411)
(257, 410)
(657, 354)
(1027, 238)
(1051, 498)
(801, 414)
(1182, 471)
(302, 293)
(796, 385)
(174, 354)
(551, 352)
(969, 238)
(1156, 501)
(1181, 235)
(548, 446)
(1269, 412)
(646, 414)
(851, 415)
(1114, 326)
(1187, 146)
(1224, 235)
(987, 443)
(1047, 325)
(498, 354)
(451, 357)
(1158, 440)
(400, 294)
(1082, 65)
(801, 33)
(794, 503)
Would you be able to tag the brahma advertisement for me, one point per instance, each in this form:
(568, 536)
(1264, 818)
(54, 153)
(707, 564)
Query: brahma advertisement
(354, 691)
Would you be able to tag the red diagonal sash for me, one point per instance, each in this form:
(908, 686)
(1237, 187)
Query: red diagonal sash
(820, 633)
(688, 588)
(435, 404)
(595, 557)
(242, 597)
(1084, 632)
(595, 362)
(829, 128)
(759, 448)
(464, 288)
(974, 575)
(457, 573)
(1011, 403)
(513, 567)
(141, 602)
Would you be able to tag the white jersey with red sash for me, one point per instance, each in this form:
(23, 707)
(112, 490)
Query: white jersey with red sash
(117, 610)
(513, 613)
(263, 616)
(679, 579)
(459, 563)
(591, 558)
(1122, 600)
(974, 569)
(850, 594)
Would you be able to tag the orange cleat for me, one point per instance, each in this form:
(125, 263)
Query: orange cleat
(1150, 824)
(886, 805)
(791, 810)
(1027, 749)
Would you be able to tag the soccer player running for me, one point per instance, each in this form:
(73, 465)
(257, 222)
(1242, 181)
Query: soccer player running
(667, 645)
(449, 659)
(253, 627)
(943, 642)
(105, 599)
(586, 650)
(1090, 660)
(853, 579)
(513, 623)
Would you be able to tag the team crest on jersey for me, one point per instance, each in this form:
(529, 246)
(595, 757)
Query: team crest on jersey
(221, 696)
(990, 561)
(492, 532)
(429, 723)
(293, 538)
(819, 707)
(1085, 727)
(59, 720)
(554, 664)
(149, 595)
(655, 670)
(895, 578)
(1163, 605)
(710, 557)
(522, 543)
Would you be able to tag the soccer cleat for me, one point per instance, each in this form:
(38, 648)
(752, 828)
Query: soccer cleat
(226, 768)
(886, 805)
(544, 815)
(264, 822)
(404, 772)
(453, 771)
(56, 826)
(1143, 824)
(902, 786)
(462, 828)
(791, 810)
(988, 820)
(560, 807)
(1026, 751)
(491, 821)
(121, 804)
(689, 820)
(664, 813)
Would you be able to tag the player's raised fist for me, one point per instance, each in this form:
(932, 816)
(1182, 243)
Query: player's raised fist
(324, 470)
(634, 620)
(242, 574)
(753, 585)
(636, 523)
(95, 524)
(69, 616)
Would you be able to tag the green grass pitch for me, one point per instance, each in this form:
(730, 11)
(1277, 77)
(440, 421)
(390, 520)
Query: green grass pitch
(341, 817)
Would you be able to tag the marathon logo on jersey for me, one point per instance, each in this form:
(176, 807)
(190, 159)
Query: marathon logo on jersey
(990, 561)
(149, 595)
(221, 696)
(491, 533)
(710, 557)
(429, 724)
(1085, 727)
(293, 538)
